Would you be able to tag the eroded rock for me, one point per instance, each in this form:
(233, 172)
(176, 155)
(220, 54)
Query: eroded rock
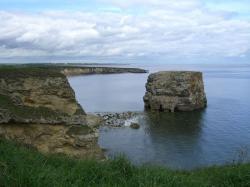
(39, 108)
(175, 91)
(75, 140)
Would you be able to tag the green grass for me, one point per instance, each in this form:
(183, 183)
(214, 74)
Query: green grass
(19, 71)
(23, 166)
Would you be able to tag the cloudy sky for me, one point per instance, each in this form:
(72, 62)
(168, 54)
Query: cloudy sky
(125, 29)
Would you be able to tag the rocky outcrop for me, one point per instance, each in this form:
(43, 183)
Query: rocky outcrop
(39, 108)
(78, 141)
(175, 91)
(119, 119)
(72, 71)
(37, 97)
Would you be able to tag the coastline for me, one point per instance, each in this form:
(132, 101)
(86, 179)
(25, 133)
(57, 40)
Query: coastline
(204, 176)
(38, 99)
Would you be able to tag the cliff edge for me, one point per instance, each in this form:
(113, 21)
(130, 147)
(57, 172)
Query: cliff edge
(39, 108)
(73, 71)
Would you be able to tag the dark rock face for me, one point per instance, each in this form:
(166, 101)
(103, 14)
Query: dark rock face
(171, 91)
(134, 126)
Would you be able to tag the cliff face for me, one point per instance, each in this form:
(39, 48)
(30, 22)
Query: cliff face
(80, 141)
(39, 108)
(71, 71)
(175, 91)
(38, 98)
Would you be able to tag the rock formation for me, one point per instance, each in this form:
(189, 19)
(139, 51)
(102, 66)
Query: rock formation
(175, 91)
(72, 71)
(39, 108)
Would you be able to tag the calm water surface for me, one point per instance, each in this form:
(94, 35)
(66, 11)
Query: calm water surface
(177, 140)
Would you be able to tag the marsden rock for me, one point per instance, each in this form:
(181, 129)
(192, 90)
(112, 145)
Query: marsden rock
(171, 91)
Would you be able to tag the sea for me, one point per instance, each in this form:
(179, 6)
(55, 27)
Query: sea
(216, 135)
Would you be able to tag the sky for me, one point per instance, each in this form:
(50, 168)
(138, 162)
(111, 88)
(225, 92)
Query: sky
(138, 29)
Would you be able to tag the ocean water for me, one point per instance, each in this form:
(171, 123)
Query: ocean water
(217, 135)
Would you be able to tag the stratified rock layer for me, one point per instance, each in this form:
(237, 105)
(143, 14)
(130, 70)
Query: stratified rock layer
(39, 108)
(79, 141)
(175, 91)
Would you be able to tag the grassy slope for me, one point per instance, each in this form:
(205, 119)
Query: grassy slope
(20, 166)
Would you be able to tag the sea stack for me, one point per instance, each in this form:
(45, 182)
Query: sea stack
(170, 91)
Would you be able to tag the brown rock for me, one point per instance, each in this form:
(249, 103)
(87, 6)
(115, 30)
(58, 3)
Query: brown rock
(38, 108)
(175, 91)
(75, 141)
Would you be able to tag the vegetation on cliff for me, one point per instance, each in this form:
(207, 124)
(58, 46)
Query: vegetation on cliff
(19, 71)
(43, 70)
(23, 166)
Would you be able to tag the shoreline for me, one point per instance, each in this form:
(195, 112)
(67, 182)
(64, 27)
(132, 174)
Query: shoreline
(38, 99)
(119, 119)
(123, 116)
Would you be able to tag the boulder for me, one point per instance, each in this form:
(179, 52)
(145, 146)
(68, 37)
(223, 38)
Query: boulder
(134, 126)
(170, 91)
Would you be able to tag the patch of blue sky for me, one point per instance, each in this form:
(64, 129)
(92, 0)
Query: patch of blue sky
(39, 5)
(240, 8)
(64, 5)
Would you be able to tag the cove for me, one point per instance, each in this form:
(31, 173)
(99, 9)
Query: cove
(213, 136)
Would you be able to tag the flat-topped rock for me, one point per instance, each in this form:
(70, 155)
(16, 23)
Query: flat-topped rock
(171, 91)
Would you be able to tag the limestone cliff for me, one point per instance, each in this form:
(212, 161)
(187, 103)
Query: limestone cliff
(175, 91)
(38, 107)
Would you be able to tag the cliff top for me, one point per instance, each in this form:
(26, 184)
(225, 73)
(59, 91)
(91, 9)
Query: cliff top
(25, 71)
(176, 72)
(55, 70)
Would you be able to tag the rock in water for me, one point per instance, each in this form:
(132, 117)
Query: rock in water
(171, 91)
(134, 126)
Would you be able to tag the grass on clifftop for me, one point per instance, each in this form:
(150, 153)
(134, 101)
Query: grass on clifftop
(21, 166)
(18, 71)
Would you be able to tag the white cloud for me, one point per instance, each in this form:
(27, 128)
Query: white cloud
(185, 28)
